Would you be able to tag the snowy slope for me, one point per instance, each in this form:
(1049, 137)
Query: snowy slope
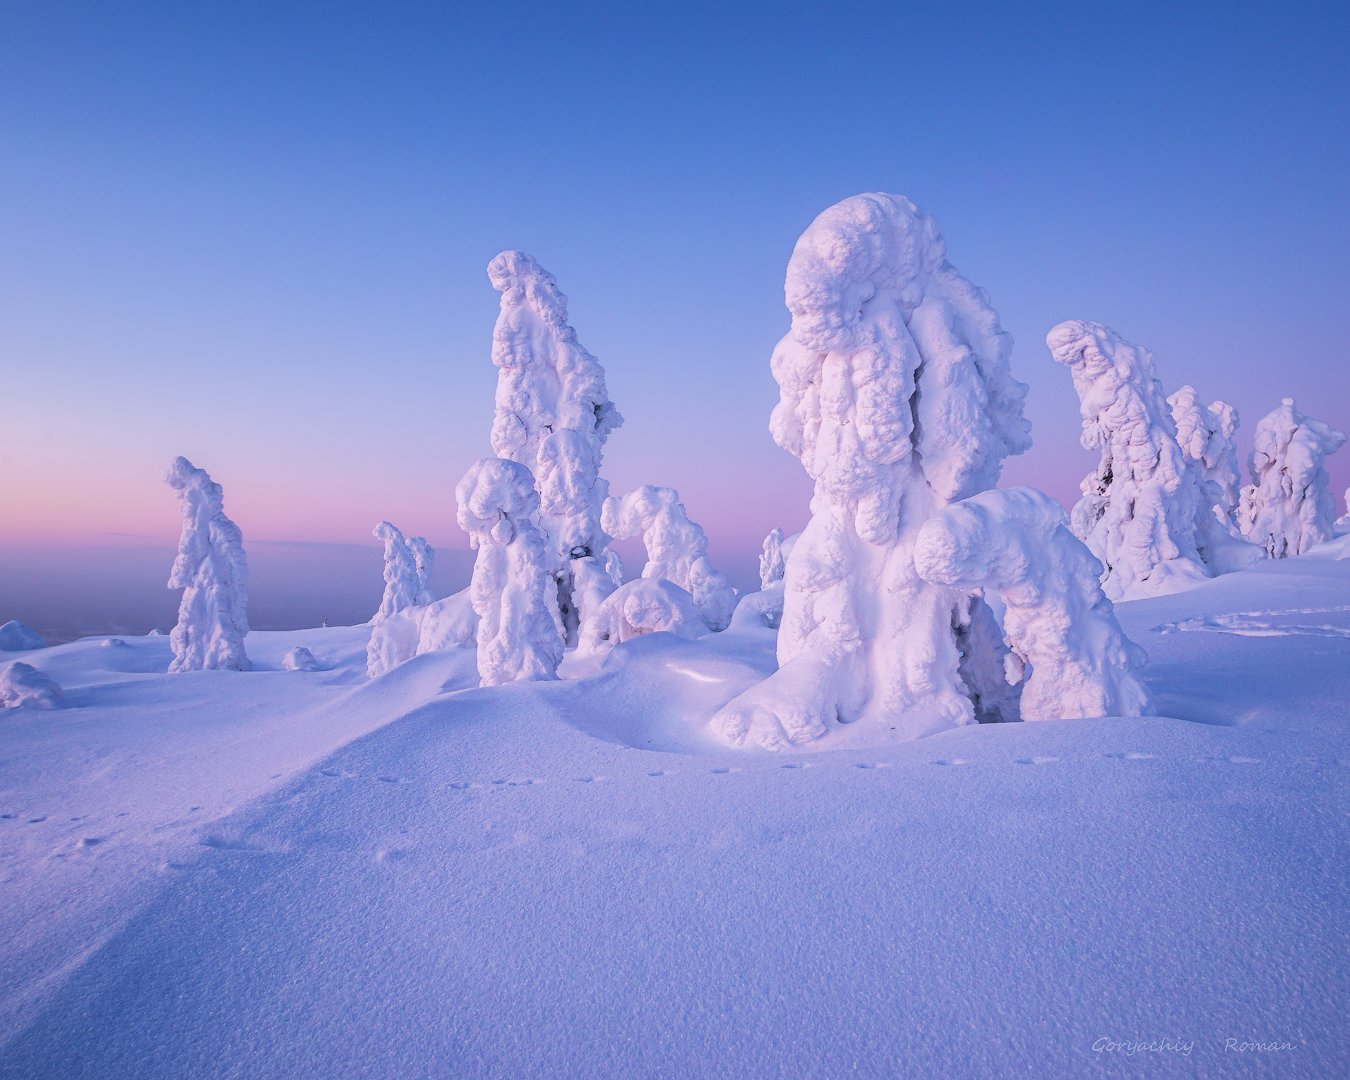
(572, 879)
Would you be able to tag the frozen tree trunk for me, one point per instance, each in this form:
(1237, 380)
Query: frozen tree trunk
(424, 559)
(677, 548)
(1074, 657)
(897, 398)
(402, 582)
(513, 591)
(212, 571)
(1140, 507)
(1288, 508)
(553, 415)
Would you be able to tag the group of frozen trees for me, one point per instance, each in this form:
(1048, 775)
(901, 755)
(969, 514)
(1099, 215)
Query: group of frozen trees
(1163, 510)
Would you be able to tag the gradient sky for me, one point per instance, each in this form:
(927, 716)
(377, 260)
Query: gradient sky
(256, 234)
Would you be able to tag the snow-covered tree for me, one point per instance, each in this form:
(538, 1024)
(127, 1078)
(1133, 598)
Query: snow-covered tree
(513, 592)
(677, 548)
(449, 623)
(212, 571)
(897, 398)
(1072, 654)
(771, 563)
(402, 581)
(553, 415)
(299, 659)
(1142, 505)
(1288, 508)
(424, 559)
(644, 606)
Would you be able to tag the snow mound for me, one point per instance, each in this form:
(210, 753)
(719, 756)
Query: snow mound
(645, 606)
(896, 396)
(450, 623)
(17, 637)
(22, 684)
(299, 659)
(677, 548)
(512, 591)
(212, 570)
(1062, 629)
(1288, 509)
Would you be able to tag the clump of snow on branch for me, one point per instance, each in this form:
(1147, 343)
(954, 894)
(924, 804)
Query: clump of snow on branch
(1288, 508)
(22, 684)
(1143, 504)
(513, 591)
(299, 659)
(1061, 627)
(553, 415)
(644, 606)
(677, 548)
(897, 397)
(18, 637)
(212, 571)
(424, 559)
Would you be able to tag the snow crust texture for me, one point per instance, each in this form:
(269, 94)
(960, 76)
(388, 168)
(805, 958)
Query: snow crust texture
(22, 684)
(512, 591)
(1288, 508)
(553, 415)
(896, 396)
(212, 571)
(677, 548)
(1062, 629)
(18, 637)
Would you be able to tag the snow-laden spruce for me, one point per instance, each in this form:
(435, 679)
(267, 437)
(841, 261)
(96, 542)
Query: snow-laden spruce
(553, 415)
(1288, 508)
(212, 571)
(19, 637)
(897, 398)
(1145, 504)
(772, 565)
(424, 559)
(1061, 627)
(677, 548)
(402, 582)
(22, 684)
(513, 591)
(644, 606)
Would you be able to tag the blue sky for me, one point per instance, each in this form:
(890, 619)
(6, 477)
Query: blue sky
(256, 233)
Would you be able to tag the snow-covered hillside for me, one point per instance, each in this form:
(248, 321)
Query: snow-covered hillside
(305, 873)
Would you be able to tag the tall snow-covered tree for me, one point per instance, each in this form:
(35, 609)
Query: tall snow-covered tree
(1062, 629)
(512, 591)
(424, 559)
(1144, 503)
(897, 398)
(677, 548)
(1288, 508)
(771, 563)
(402, 582)
(212, 571)
(553, 415)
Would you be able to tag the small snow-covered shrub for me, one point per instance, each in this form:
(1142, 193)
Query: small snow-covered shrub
(17, 637)
(212, 571)
(450, 623)
(1288, 508)
(299, 659)
(677, 549)
(22, 684)
(513, 593)
(645, 606)
(1062, 629)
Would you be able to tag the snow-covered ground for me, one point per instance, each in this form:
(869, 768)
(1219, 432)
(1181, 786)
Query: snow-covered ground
(288, 873)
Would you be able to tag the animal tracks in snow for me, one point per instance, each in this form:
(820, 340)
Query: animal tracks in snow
(1261, 623)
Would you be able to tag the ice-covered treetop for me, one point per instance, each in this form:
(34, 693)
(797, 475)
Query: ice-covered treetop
(548, 380)
(869, 283)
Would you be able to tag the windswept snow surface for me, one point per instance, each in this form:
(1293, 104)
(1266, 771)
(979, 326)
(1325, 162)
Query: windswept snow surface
(285, 873)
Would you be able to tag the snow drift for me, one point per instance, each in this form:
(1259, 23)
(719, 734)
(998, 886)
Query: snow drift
(212, 571)
(17, 637)
(22, 684)
(897, 398)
